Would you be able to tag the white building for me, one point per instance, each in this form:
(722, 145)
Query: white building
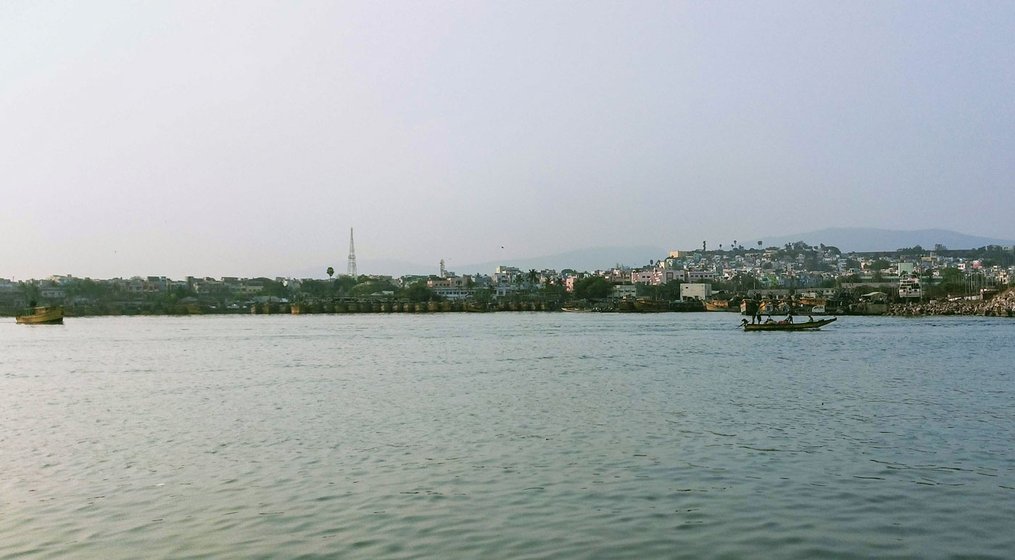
(700, 275)
(451, 287)
(645, 276)
(672, 275)
(621, 291)
(699, 291)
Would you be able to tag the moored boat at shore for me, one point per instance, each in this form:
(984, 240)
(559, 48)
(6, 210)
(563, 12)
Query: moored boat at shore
(42, 316)
(718, 305)
(645, 305)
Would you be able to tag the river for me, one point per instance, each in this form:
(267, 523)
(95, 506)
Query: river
(506, 435)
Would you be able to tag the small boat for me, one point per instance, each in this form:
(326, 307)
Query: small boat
(645, 305)
(786, 326)
(717, 305)
(42, 316)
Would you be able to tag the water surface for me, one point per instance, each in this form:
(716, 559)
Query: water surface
(506, 435)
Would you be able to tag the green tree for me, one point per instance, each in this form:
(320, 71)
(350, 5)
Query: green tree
(30, 291)
(482, 295)
(372, 287)
(743, 281)
(330, 271)
(418, 292)
(952, 275)
(344, 284)
(669, 291)
(593, 287)
(880, 264)
(315, 288)
(953, 282)
(273, 288)
(552, 291)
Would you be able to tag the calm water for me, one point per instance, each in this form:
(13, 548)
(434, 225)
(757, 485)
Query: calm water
(510, 435)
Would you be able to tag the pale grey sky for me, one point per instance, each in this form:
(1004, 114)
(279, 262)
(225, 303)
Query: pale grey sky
(246, 138)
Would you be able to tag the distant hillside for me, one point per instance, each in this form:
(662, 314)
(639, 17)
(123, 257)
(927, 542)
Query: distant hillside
(596, 258)
(870, 239)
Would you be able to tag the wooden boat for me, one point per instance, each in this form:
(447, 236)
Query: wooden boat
(645, 305)
(42, 316)
(717, 305)
(783, 326)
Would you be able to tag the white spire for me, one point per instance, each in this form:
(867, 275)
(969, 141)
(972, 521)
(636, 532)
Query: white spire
(352, 256)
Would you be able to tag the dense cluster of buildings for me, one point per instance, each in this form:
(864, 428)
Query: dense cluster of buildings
(698, 274)
(795, 267)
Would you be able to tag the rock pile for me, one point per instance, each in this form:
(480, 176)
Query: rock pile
(1002, 305)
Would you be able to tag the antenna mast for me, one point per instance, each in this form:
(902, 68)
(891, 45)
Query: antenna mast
(352, 256)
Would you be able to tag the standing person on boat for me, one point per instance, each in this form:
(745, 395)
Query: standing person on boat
(789, 317)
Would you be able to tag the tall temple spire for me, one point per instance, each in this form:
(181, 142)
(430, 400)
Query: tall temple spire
(352, 256)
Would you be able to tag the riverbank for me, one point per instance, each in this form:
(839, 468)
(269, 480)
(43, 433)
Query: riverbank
(1002, 305)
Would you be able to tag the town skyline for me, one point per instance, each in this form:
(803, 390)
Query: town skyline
(849, 240)
(593, 261)
(736, 272)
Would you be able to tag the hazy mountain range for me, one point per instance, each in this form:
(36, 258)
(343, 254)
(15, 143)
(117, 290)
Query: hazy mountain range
(598, 258)
(870, 239)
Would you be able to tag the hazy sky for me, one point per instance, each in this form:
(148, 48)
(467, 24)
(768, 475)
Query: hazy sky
(246, 138)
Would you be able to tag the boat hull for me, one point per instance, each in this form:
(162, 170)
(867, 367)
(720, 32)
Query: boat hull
(42, 316)
(806, 326)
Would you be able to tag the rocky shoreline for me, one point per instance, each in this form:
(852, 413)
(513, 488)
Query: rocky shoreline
(1002, 305)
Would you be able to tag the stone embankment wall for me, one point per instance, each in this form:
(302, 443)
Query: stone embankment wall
(1002, 305)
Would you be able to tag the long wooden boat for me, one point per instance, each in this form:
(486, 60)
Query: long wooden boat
(42, 316)
(781, 326)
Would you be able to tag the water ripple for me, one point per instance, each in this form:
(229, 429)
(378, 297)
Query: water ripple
(506, 436)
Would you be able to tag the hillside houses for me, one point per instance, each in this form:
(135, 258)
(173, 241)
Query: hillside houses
(796, 268)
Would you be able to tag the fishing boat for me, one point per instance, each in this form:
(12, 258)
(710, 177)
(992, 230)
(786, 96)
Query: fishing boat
(717, 305)
(786, 326)
(909, 288)
(42, 316)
